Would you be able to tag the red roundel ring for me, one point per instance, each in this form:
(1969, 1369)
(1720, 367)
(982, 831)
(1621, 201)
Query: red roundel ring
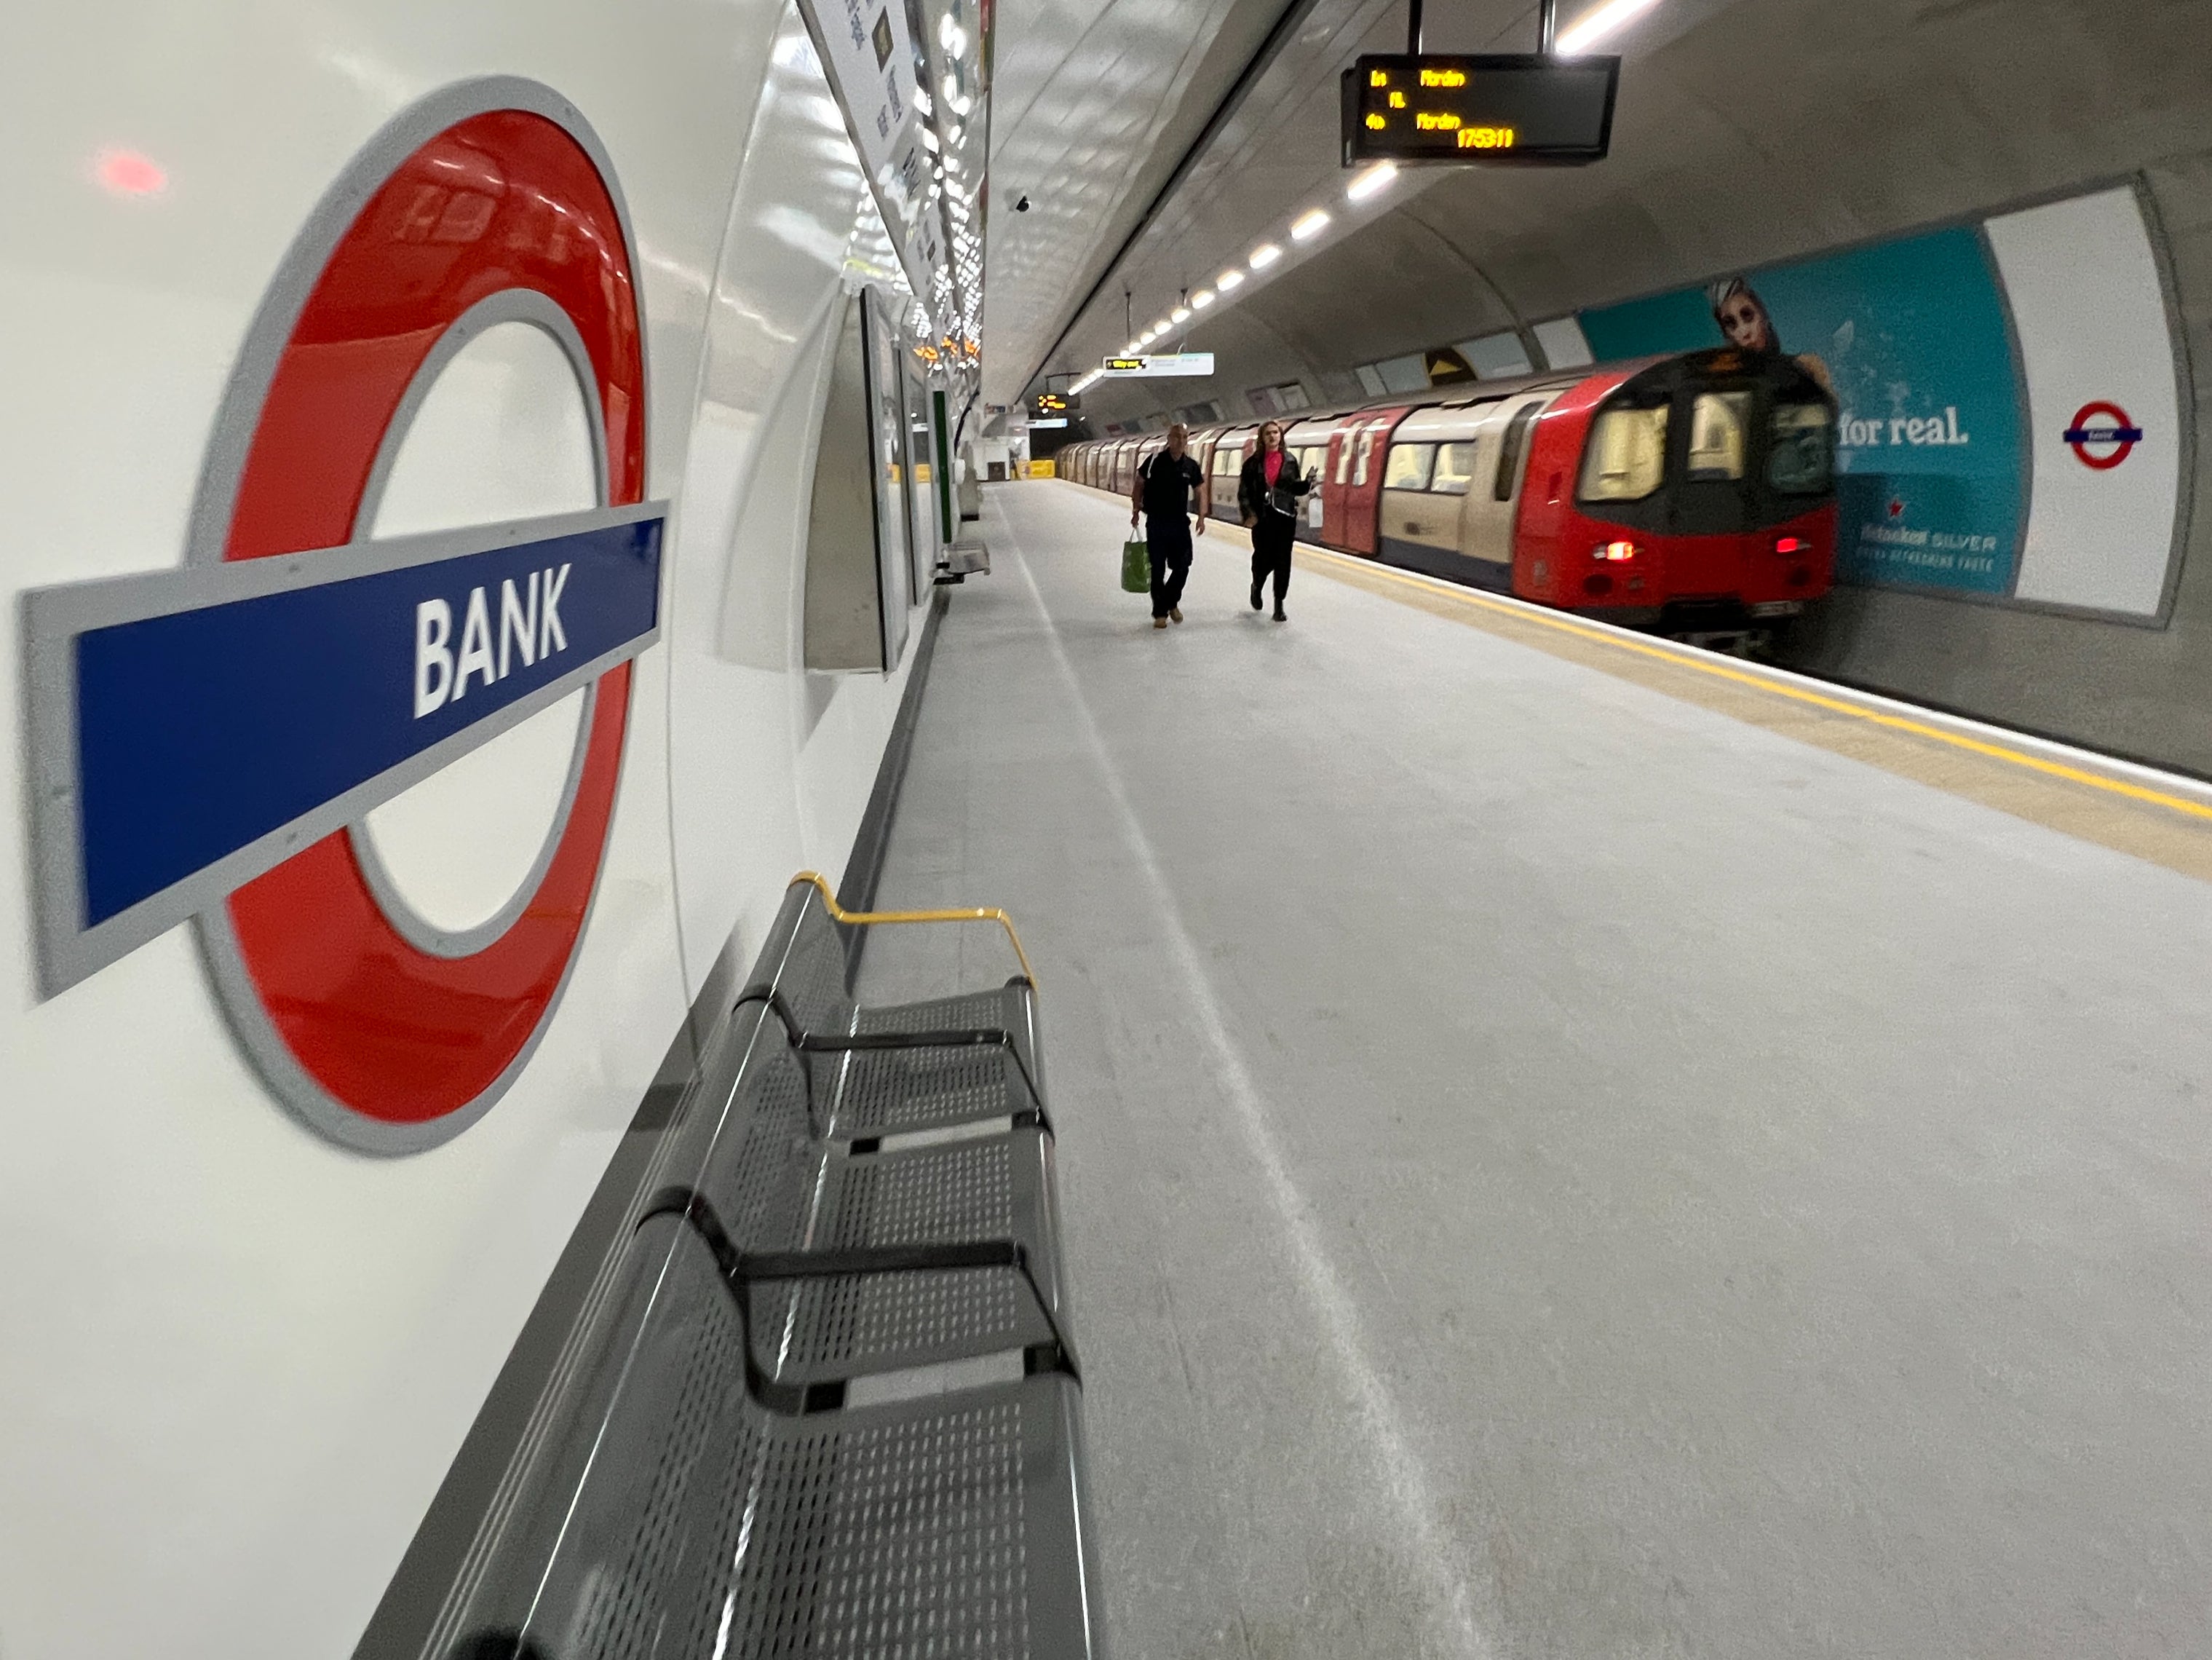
(2110, 423)
(490, 188)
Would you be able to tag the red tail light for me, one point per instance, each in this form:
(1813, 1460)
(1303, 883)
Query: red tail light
(1792, 547)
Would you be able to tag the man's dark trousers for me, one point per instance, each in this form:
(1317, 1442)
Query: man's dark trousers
(1167, 539)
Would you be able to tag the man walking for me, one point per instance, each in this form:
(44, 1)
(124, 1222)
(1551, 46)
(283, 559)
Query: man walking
(1163, 495)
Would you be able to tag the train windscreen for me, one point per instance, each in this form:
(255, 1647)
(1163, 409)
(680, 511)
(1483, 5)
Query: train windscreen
(1709, 443)
(1801, 455)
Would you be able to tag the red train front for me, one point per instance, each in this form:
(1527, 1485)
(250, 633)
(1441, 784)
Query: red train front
(1703, 496)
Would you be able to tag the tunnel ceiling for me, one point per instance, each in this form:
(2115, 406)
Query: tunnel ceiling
(1093, 102)
(1747, 131)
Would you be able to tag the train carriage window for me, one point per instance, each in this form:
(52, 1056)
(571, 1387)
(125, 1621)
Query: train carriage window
(1801, 461)
(1344, 459)
(1366, 450)
(1626, 456)
(1718, 424)
(1509, 453)
(1408, 467)
(1455, 469)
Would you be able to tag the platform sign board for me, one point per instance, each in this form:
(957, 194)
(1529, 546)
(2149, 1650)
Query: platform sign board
(1494, 109)
(206, 739)
(870, 58)
(1158, 365)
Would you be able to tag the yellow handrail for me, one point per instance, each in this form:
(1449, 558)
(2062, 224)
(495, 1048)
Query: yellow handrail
(980, 914)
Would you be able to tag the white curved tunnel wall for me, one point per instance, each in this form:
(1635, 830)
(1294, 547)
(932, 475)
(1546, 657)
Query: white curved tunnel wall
(239, 1358)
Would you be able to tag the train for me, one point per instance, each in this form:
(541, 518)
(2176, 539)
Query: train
(1693, 496)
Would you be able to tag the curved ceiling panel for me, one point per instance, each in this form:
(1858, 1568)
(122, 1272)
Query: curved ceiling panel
(1094, 102)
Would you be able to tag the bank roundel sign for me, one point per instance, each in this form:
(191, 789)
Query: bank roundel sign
(206, 740)
(2101, 436)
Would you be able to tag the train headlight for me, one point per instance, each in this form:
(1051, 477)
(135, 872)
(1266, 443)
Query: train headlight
(1613, 552)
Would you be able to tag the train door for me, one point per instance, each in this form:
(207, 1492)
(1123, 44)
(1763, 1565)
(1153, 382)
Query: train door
(1362, 491)
(1228, 453)
(1708, 509)
(1335, 481)
(1308, 442)
(1493, 495)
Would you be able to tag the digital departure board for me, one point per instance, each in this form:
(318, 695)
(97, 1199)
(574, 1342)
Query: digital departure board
(1518, 109)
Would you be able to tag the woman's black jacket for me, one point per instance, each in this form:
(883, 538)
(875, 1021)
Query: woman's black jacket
(1252, 493)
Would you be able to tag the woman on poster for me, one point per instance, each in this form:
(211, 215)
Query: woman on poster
(1746, 323)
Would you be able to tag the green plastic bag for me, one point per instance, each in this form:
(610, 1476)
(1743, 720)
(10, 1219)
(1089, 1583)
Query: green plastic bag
(1136, 568)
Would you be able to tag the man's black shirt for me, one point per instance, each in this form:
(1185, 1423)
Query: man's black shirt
(1169, 482)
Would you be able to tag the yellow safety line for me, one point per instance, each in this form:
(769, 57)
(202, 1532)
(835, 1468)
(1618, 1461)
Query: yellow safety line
(981, 913)
(1722, 672)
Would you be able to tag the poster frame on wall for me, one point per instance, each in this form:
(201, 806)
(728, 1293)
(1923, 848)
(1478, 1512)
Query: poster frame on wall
(891, 475)
(2185, 432)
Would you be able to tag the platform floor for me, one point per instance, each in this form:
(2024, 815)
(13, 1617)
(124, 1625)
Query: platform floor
(1555, 1169)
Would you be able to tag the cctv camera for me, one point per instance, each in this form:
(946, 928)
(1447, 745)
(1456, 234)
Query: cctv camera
(1022, 204)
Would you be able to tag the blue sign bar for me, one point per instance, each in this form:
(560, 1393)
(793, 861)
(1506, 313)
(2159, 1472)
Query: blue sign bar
(201, 731)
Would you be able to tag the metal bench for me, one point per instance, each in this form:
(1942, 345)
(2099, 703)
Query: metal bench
(832, 1404)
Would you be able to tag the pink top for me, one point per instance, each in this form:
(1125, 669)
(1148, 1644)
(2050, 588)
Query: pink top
(1271, 465)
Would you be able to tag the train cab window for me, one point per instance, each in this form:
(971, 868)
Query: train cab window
(1455, 469)
(1718, 424)
(1509, 453)
(1626, 456)
(1408, 467)
(1802, 460)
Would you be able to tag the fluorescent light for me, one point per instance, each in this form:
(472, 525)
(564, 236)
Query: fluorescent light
(1309, 225)
(1593, 27)
(1130, 351)
(922, 100)
(952, 90)
(1159, 328)
(961, 106)
(928, 139)
(1201, 300)
(1229, 279)
(1264, 255)
(1375, 179)
(1180, 314)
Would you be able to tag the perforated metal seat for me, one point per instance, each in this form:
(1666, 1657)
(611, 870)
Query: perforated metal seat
(709, 1525)
(896, 1067)
(783, 1186)
(830, 1405)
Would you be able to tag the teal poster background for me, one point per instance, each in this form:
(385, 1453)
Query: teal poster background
(1914, 338)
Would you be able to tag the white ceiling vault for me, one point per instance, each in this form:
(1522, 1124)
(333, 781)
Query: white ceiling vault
(1092, 104)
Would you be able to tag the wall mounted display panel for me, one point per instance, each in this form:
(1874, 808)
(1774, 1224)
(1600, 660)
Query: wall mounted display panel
(891, 471)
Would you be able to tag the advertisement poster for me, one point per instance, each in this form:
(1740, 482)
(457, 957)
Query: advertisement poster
(1912, 338)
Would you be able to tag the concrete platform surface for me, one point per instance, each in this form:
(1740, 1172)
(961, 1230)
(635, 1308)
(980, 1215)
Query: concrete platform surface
(1554, 1170)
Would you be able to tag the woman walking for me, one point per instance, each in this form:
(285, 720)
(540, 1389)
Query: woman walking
(1267, 493)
